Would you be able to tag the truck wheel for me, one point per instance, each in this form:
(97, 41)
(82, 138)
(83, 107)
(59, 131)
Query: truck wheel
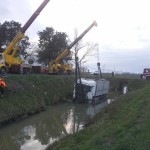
(148, 78)
(3, 70)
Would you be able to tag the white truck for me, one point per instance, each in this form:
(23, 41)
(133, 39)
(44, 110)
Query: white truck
(90, 89)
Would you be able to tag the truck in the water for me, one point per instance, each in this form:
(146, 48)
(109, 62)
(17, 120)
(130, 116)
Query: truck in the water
(89, 89)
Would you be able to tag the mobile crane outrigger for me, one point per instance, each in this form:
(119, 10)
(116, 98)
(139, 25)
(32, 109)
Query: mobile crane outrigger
(8, 61)
(59, 64)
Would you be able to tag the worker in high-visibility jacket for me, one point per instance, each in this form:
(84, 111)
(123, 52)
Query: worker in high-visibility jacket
(2, 86)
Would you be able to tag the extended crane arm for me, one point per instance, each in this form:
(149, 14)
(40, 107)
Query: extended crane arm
(34, 16)
(20, 34)
(66, 51)
(82, 35)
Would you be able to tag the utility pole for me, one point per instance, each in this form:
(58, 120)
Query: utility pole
(99, 69)
(78, 77)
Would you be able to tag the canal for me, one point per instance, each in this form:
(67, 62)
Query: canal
(38, 131)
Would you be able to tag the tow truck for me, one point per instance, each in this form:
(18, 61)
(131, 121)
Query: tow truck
(9, 62)
(60, 64)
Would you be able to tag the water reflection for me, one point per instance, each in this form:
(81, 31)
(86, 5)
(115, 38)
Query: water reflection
(38, 131)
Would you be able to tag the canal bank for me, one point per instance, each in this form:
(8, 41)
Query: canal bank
(122, 125)
(121, 113)
(29, 94)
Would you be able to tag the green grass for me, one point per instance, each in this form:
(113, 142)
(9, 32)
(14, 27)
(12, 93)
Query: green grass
(122, 125)
(31, 93)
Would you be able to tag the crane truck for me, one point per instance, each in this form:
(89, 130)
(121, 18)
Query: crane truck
(60, 64)
(8, 60)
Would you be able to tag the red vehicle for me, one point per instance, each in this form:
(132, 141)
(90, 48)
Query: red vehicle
(146, 74)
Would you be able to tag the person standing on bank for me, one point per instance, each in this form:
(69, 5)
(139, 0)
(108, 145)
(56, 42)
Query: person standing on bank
(2, 86)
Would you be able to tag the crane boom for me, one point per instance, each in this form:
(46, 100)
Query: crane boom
(20, 34)
(34, 16)
(82, 35)
(58, 65)
(66, 51)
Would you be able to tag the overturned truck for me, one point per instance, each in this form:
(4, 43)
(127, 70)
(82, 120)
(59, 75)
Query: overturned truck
(87, 90)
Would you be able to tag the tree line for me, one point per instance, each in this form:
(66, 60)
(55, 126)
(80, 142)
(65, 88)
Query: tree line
(50, 44)
(50, 41)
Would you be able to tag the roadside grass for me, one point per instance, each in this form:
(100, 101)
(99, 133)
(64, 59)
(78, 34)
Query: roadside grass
(122, 125)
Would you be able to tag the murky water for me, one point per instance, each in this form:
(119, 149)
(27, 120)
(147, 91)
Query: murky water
(41, 130)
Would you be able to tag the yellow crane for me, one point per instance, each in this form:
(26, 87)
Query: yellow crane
(8, 60)
(60, 64)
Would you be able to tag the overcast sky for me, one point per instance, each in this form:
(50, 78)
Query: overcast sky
(123, 31)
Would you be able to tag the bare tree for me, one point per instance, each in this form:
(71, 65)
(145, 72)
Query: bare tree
(89, 49)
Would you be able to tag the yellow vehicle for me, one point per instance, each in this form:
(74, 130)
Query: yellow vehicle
(60, 64)
(9, 62)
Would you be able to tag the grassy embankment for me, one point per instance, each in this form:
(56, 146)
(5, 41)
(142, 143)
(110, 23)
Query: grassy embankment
(122, 125)
(29, 94)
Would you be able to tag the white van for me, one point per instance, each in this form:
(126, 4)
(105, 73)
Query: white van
(90, 89)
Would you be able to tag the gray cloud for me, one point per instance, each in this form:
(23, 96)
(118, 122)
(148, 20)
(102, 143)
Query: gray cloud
(14, 11)
(126, 59)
